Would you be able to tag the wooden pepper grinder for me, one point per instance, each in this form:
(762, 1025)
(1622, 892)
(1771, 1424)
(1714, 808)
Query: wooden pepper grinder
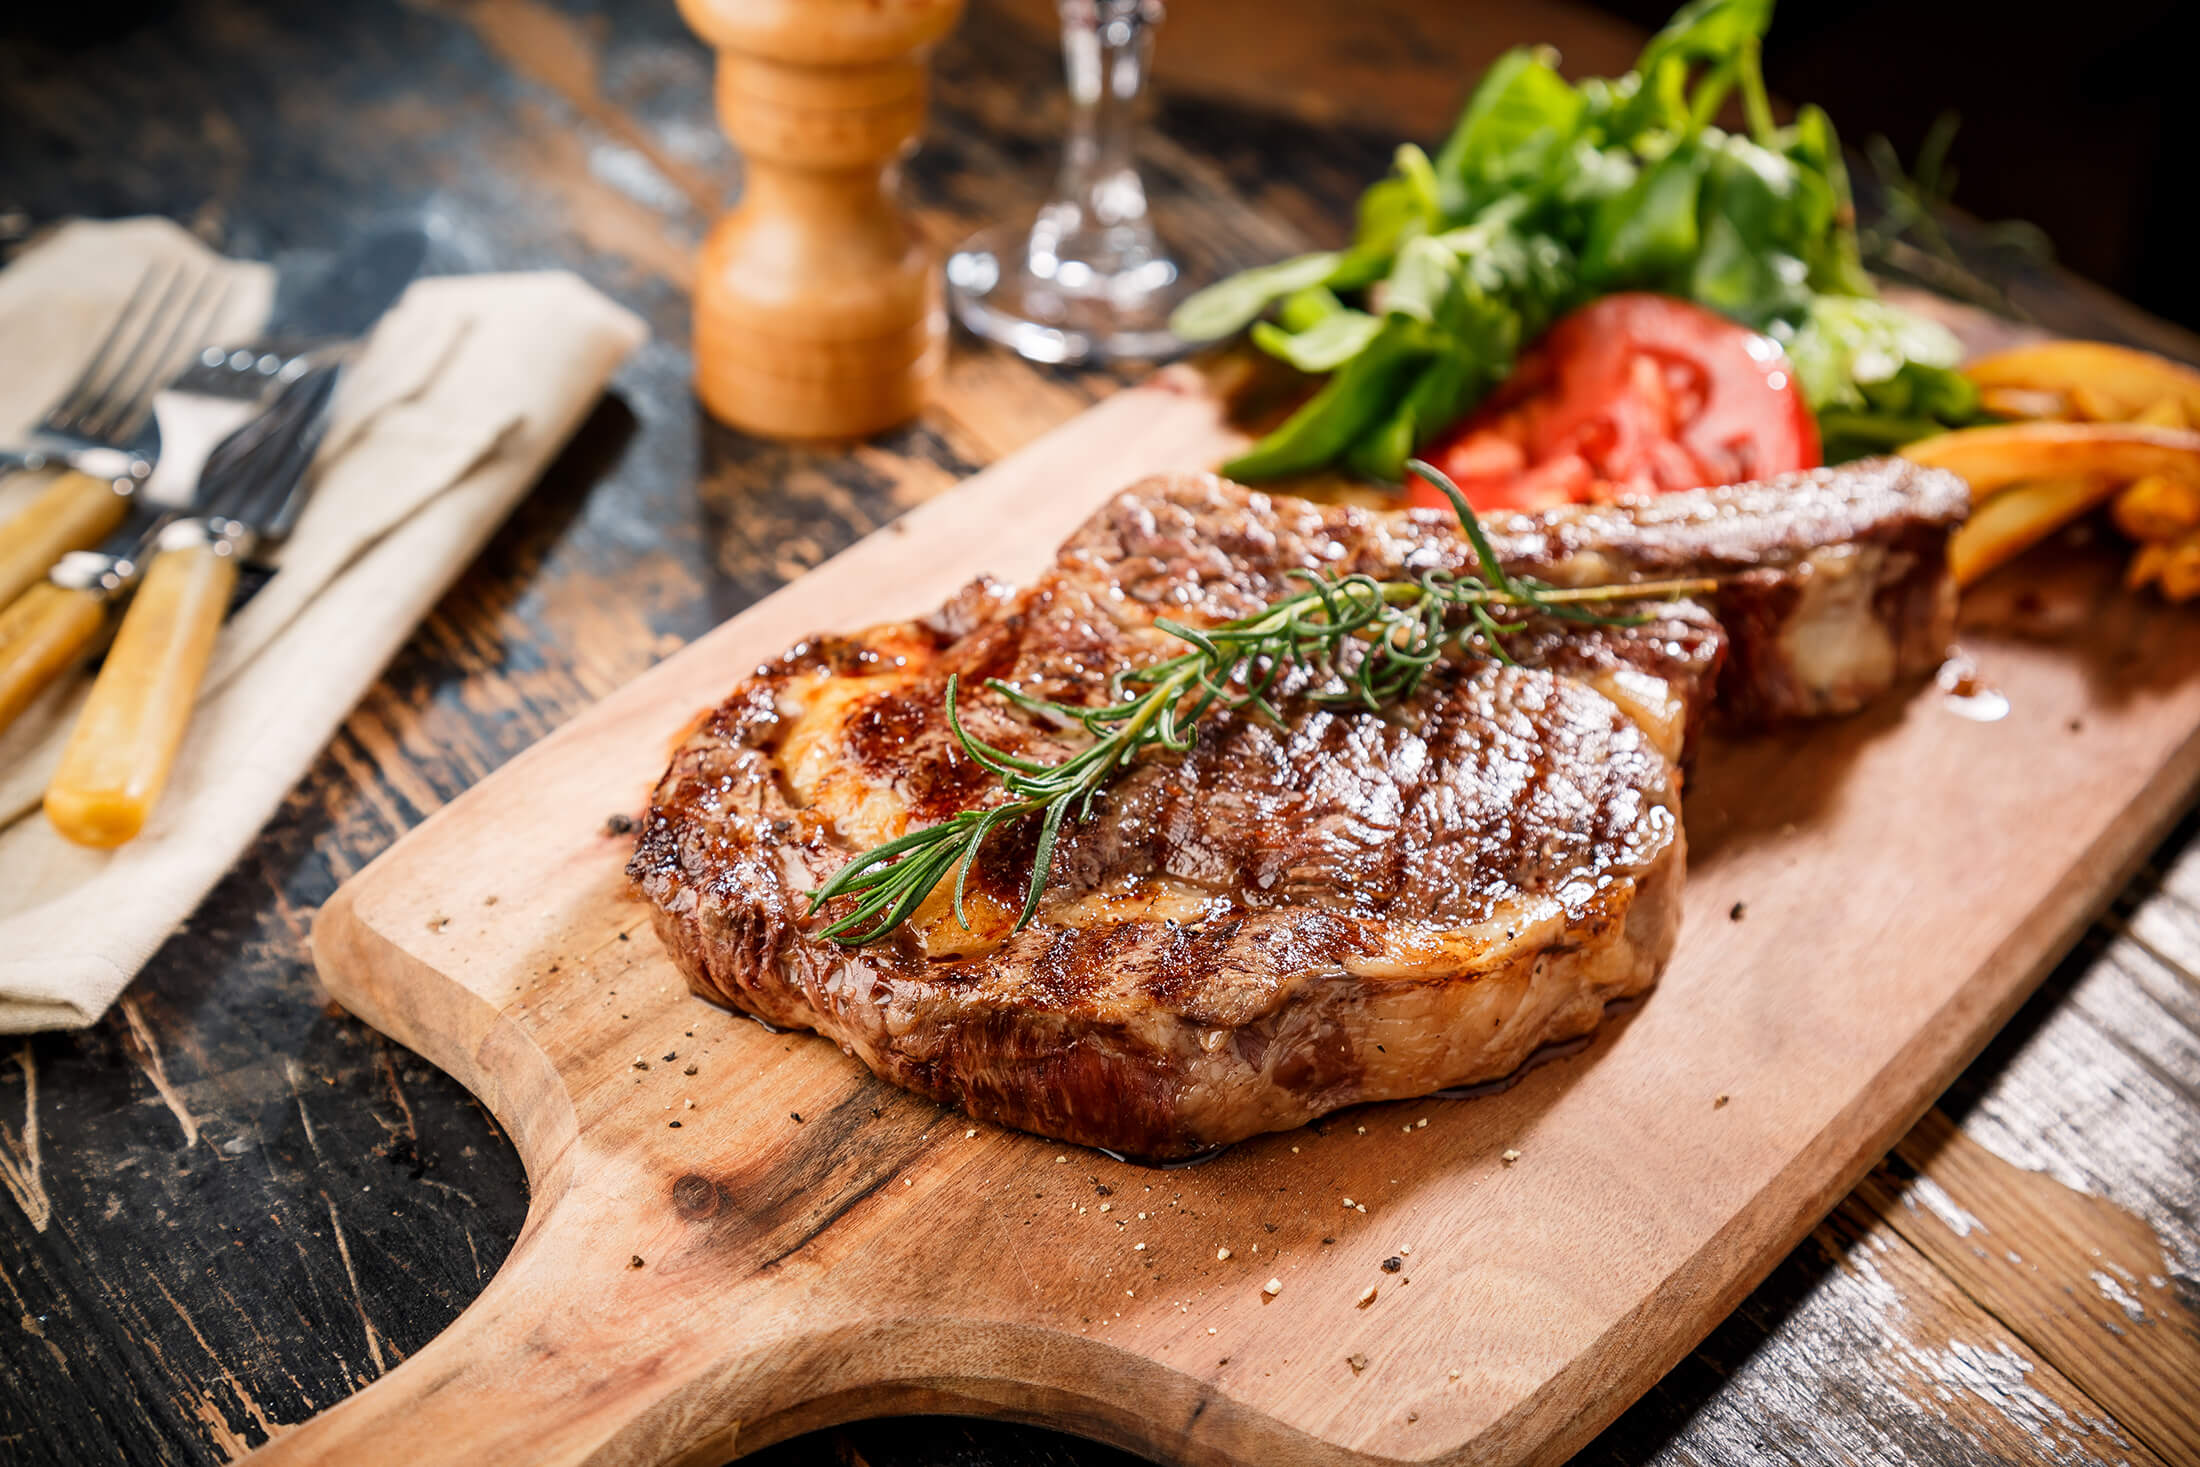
(817, 305)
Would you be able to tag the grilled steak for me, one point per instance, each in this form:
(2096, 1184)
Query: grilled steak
(1284, 920)
(1834, 582)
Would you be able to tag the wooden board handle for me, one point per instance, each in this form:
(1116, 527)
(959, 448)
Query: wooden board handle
(43, 633)
(530, 1377)
(74, 513)
(124, 743)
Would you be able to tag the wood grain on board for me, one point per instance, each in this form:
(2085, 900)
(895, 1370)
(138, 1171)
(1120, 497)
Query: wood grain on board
(1868, 901)
(229, 1205)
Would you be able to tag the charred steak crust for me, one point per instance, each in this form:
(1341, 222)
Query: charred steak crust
(1284, 921)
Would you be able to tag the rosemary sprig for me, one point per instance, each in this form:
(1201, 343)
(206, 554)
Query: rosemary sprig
(1358, 641)
(1908, 237)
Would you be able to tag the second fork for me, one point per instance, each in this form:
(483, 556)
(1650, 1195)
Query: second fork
(102, 428)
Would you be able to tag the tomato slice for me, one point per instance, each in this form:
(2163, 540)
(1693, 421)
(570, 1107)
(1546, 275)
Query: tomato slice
(1631, 394)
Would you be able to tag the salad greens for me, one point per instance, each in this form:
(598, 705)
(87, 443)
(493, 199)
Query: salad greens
(1548, 194)
(1877, 376)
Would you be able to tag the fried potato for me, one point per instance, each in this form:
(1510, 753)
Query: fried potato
(2146, 566)
(2096, 406)
(2158, 508)
(2024, 402)
(2173, 566)
(2179, 576)
(1996, 457)
(2104, 382)
(2164, 412)
(2016, 519)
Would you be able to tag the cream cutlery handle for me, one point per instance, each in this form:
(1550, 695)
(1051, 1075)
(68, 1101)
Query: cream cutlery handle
(119, 754)
(43, 633)
(74, 513)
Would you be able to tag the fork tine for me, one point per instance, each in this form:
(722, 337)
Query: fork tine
(195, 319)
(83, 393)
(91, 417)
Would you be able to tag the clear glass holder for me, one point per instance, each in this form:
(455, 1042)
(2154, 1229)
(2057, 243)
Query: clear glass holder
(1087, 279)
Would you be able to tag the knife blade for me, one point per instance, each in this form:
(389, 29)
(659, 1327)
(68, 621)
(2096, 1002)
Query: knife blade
(118, 756)
(314, 311)
(51, 627)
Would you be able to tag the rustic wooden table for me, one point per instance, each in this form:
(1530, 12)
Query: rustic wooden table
(230, 1205)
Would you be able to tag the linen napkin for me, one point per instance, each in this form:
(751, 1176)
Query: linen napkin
(467, 389)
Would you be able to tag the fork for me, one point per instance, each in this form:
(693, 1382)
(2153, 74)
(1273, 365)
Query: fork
(220, 390)
(101, 430)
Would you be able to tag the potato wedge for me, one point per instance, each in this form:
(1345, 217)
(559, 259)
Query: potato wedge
(1996, 457)
(2164, 412)
(2146, 566)
(2158, 508)
(2117, 381)
(2179, 576)
(2024, 402)
(2092, 405)
(2016, 519)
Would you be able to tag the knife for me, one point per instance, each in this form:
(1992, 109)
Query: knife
(48, 629)
(314, 312)
(118, 756)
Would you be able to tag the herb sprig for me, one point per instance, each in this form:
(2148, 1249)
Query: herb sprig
(1909, 238)
(1356, 641)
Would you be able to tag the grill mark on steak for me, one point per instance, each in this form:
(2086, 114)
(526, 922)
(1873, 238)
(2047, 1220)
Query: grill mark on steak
(1385, 818)
(1352, 906)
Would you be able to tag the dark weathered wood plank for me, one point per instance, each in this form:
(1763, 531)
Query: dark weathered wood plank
(2093, 1083)
(2082, 1282)
(1858, 1327)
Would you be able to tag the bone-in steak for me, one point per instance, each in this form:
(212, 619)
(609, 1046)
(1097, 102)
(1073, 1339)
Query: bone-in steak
(1285, 920)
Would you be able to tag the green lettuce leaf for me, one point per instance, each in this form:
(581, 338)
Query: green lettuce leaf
(1846, 343)
(1322, 347)
(1231, 304)
(1520, 122)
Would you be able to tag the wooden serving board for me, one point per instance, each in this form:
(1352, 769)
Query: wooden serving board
(738, 1235)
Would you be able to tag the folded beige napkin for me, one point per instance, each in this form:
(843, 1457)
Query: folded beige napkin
(465, 392)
